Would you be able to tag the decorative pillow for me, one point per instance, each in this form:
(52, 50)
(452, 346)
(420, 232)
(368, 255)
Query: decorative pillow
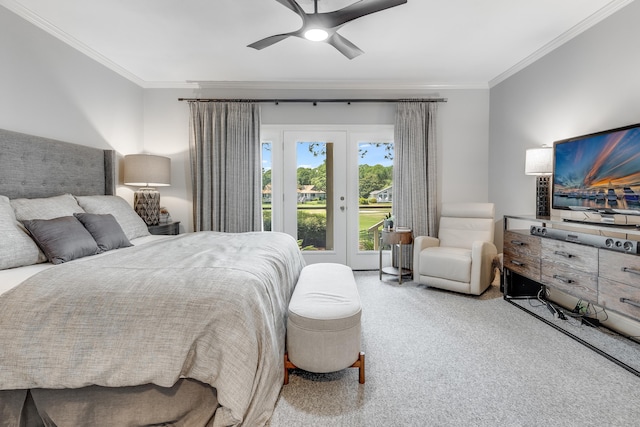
(105, 231)
(132, 225)
(46, 208)
(62, 239)
(16, 247)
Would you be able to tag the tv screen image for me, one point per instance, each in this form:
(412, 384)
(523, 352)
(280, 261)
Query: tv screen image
(599, 172)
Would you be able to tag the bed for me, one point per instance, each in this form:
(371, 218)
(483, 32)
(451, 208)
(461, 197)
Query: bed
(184, 330)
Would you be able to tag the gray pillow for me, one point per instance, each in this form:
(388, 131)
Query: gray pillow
(16, 247)
(45, 208)
(105, 230)
(132, 225)
(62, 239)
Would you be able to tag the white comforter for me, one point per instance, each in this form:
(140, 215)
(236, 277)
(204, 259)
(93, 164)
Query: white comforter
(208, 306)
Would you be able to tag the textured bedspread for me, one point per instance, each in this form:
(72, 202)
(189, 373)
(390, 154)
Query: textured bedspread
(208, 306)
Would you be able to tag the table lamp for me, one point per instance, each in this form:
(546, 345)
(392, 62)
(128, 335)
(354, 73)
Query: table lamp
(147, 171)
(539, 162)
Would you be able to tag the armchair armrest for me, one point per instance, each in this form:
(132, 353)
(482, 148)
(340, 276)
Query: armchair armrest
(420, 243)
(482, 255)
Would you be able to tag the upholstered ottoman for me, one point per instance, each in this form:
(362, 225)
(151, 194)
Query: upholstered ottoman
(323, 327)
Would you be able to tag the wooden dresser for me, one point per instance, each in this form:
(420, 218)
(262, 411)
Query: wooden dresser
(593, 272)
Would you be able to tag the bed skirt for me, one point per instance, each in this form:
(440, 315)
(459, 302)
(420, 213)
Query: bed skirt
(187, 403)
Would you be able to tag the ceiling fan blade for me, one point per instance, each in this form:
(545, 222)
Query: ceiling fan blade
(293, 6)
(345, 47)
(268, 41)
(358, 9)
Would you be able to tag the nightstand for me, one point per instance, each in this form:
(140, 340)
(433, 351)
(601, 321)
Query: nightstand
(170, 228)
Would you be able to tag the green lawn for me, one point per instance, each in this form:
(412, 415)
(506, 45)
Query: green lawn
(369, 215)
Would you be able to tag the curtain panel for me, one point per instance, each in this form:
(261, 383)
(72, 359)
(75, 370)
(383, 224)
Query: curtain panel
(414, 170)
(224, 148)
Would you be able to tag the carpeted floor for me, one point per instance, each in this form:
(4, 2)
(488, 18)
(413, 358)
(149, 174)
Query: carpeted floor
(437, 358)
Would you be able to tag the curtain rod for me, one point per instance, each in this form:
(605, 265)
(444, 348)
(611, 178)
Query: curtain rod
(314, 101)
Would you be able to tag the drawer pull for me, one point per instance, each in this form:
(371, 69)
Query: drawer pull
(564, 254)
(518, 243)
(630, 301)
(631, 270)
(518, 263)
(562, 279)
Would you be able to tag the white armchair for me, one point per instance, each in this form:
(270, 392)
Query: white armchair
(461, 258)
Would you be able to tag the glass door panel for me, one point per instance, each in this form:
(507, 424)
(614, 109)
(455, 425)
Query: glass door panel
(314, 193)
(372, 178)
(267, 186)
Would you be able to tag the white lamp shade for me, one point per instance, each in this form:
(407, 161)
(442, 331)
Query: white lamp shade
(147, 170)
(539, 161)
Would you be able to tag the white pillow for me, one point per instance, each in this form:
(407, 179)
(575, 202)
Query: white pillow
(46, 208)
(132, 225)
(16, 247)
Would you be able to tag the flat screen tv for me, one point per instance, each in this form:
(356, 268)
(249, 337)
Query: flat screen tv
(598, 172)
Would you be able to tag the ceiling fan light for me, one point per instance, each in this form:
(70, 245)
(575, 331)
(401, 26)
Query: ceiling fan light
(316, 35)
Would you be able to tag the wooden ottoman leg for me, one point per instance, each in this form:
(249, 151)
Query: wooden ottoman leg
(360, 365)
(287, 365)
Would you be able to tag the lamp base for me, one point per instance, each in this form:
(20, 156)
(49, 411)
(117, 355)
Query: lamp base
(146, 203)
(542, 196)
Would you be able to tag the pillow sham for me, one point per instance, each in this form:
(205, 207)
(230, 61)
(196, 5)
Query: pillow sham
(17, 249)
(132, 225)
(62, 239)
(45, 208)
(105, 230)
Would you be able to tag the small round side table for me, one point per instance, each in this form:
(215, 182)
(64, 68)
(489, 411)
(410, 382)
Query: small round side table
(401, 236)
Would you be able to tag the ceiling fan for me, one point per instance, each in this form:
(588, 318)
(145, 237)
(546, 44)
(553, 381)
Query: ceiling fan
(324, 26)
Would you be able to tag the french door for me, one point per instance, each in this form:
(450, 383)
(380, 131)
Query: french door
(314, 191)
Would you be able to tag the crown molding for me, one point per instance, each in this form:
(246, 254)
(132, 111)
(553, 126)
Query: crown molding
(66, 38)
(576, 30)
(313, 85)
(332, 85)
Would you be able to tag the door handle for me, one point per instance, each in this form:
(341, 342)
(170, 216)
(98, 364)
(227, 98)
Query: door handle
(342, 208)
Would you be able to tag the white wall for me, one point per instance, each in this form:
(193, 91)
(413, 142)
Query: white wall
(463, 129)
(589, 84)
(51, 90)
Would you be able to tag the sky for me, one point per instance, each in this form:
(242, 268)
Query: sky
(374, 155)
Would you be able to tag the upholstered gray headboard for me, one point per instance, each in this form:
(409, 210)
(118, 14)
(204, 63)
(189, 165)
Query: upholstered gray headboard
(31, 166)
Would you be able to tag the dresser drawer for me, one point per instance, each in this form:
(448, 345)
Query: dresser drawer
(620, 267)
(570, 280)
(569, 256)
(521, 253)
(521, 243)
(524, 265)
(610, 294)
